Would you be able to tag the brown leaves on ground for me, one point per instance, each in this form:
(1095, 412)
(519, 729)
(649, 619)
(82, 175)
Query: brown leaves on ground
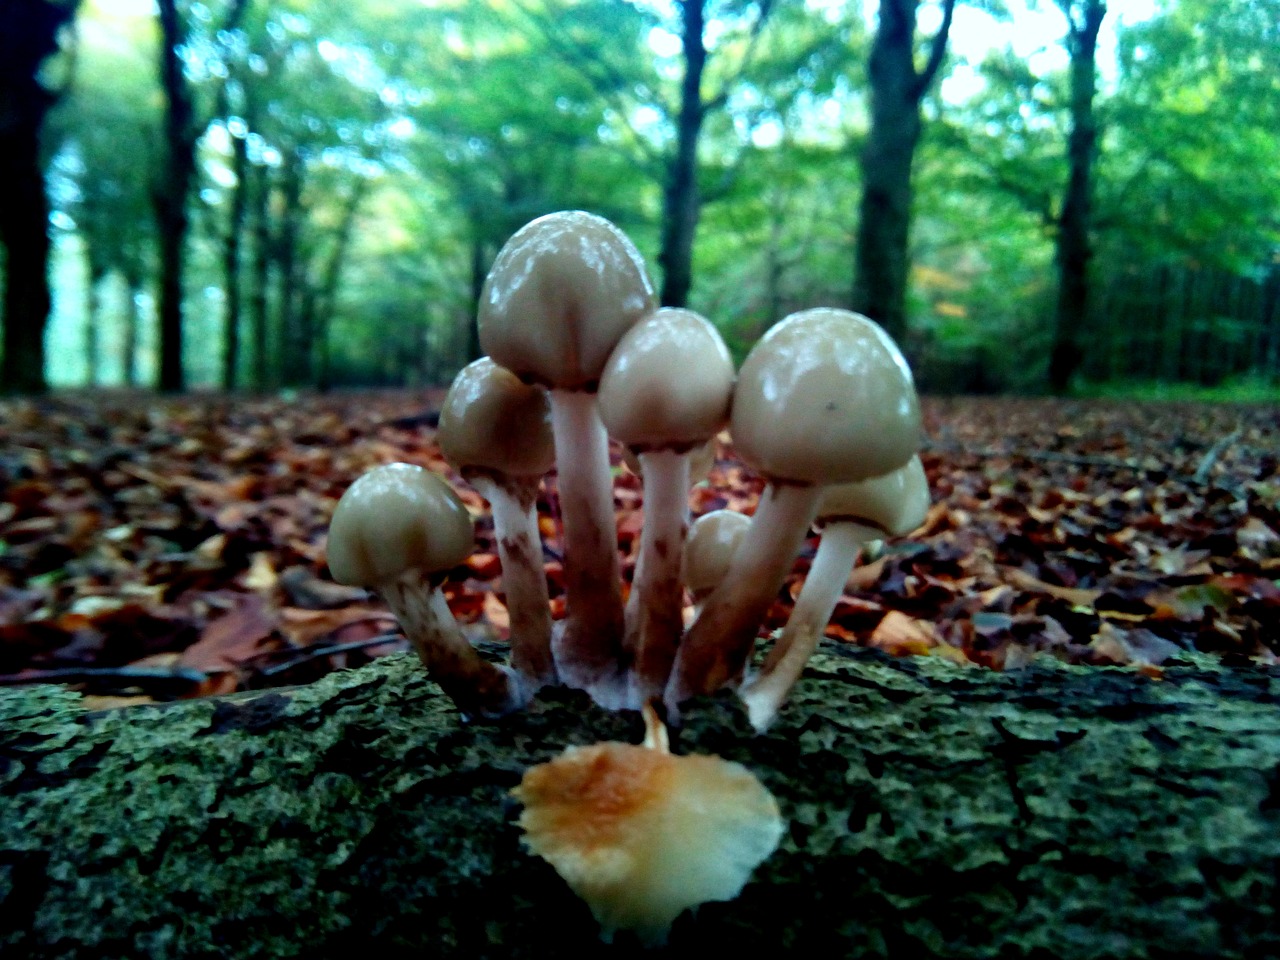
(176, 547)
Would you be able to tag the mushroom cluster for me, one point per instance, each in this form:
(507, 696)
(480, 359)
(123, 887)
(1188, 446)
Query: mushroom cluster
(823, 408)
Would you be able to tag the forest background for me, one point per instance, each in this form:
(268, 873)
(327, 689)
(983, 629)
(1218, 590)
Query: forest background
(267, 194)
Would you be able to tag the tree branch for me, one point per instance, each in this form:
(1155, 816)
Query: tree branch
(937, 50)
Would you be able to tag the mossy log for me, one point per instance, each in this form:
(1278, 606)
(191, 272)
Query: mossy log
(933, 810)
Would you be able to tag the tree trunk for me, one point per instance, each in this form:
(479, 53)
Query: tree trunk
(1074, 247)
(132, 327)
(29, 36)
(260, 278)
(96, 274)
(295, 352)
(171, 190)
(681, 204)
(881, 252)
(231, 261)
(331, 279)
(932, 810)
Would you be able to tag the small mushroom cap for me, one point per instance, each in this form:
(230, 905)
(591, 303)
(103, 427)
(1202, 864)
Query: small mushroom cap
(825, 397)
(668, 383)
(561, 293)
(396, 518)
(492, 421)
(895, 503)
(709, 548)
(642, 835)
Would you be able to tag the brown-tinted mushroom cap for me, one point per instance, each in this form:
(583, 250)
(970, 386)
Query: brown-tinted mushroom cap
(393, 519)
(561, 293)
(492, 421)
(895, 503)
(825, 397)
(668, 383)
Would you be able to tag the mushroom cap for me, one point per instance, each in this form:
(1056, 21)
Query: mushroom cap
(709, 548)
(396, 518)
(668, 382)
(825, 397)
(492, 421)
(894, 503)
(561, 293)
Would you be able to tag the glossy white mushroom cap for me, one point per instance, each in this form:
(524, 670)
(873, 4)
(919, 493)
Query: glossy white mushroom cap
(709, 548)
(893, 504)
(492, 421)
(393, 519)
(825, 397)
(560, 295)
(668, 383)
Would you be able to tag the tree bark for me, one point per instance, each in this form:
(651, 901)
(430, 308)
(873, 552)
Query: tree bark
(932, 810)
(260, 278)
(295, 341)
(28, 37)
(881, 251)
(681, 204)
(96, 272)
(129, 339)
(231, 257)
(1074, 248)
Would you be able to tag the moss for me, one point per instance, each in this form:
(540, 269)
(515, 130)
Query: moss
(934, 810)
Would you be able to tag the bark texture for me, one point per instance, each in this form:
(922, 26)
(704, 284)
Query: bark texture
(933, 811)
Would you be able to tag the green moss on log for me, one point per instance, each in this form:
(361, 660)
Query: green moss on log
(933, 810)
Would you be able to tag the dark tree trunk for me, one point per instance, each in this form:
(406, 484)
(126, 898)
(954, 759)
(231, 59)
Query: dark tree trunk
(295, 352)
(931, 811)
(331, 279)
(881, 249)
(479, 268)
(97, 273)
(1073, 244)
(28, 36)
(171, 191)
(681, 203)
(260, 278)
(129, 341)
(231, 256)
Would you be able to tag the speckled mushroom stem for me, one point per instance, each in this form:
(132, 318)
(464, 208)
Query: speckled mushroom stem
(654, 609)
(477, 687)
(524, 580)
(718, 645)
(587, 650)
(765, 693)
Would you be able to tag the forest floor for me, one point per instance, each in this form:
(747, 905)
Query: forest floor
(160, 548)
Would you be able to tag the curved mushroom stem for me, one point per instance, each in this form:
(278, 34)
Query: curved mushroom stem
(524, 580)
(765, 693)
(654, 609)
(478, 688)
(718, 645)
(587, 651)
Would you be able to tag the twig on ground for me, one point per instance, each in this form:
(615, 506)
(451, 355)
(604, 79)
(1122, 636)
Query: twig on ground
(1215, 453)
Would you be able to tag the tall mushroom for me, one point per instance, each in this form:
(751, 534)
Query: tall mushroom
(824, 397)
(398, 529)
(665, 392)
(497, 432)
(849, 515)
(561, 294)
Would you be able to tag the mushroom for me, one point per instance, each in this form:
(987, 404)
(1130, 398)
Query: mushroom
(849, 515)
(398, 529)
(641, 834)
(497, 432)
(665, 392)
(824, 397)
(708, 550)
(561, 294)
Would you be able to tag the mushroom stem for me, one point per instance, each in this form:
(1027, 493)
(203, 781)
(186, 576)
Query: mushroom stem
(718, 645)
(765, 693)
(524, 580)
(587, 650)
(478, 688)
(654, 609)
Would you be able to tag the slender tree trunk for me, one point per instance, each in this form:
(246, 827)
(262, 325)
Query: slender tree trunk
(129, 347)
(331, 279)
(1073, 244)
(479, 268)
(28, 36)
(681, 203)
(260, 278)
(231, 257)
(171, 191)
(97, 273)
(295, 347)
(881, 253)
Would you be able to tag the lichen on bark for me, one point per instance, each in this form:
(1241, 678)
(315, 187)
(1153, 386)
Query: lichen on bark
(933, 810)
